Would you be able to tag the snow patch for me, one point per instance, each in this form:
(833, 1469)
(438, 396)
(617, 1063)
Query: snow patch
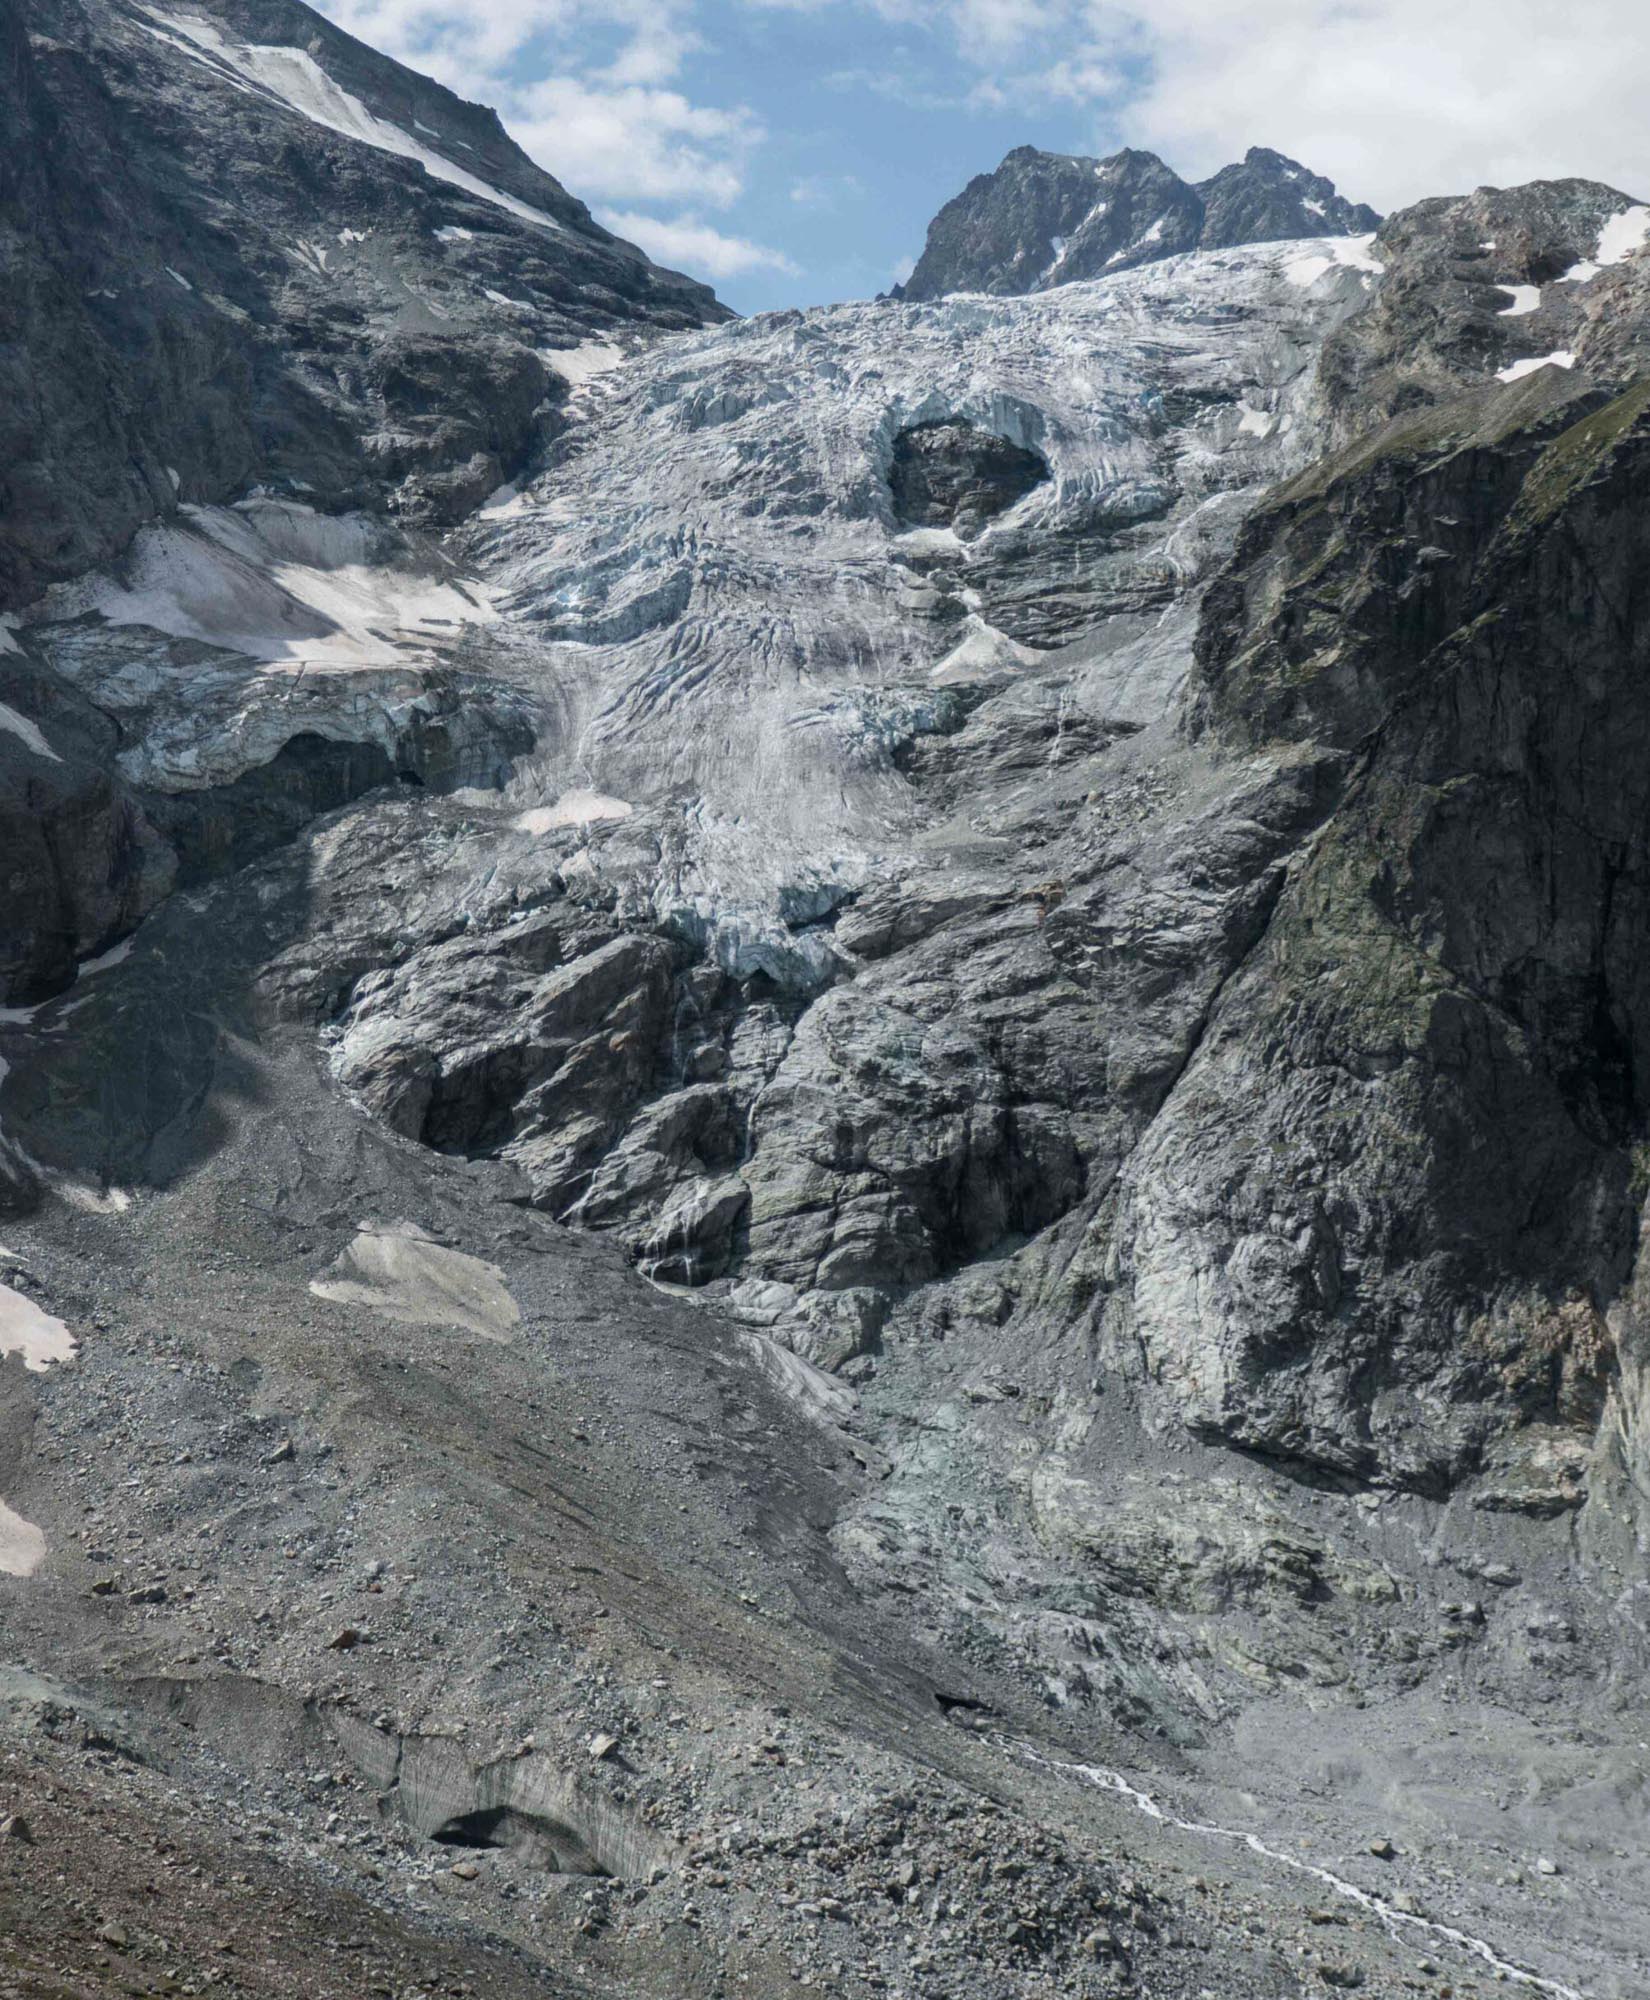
(1525, 299)
(930, 542)
(27, 732)
(297, 80)
(22, 1546)
(1350, 253)
(178, 278)
(41, 1339)
(501, 299)
(451, 233)
(1620, 237)
(90, 1200)
(982, 650)
(585, 362)
(397, 1269)
(277, 582)
(115, 955)
(575, 808)
(1255, 423)
(1561, 358)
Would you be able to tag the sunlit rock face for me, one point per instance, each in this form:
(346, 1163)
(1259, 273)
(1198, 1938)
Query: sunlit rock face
(769, 1089)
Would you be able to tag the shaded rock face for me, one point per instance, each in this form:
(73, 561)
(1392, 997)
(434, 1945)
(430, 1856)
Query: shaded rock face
(1268, 197)
(954, 475)
(1457, 966)
(1045, 219)
(210, 286)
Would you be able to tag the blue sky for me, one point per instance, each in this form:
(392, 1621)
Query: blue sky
(792, 151)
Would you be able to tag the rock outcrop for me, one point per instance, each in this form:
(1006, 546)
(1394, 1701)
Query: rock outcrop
(1044, 219)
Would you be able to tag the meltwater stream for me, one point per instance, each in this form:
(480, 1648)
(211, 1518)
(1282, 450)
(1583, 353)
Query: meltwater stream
(1394, 1919)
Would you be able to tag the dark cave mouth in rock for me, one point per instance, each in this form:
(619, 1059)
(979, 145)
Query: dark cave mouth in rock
(542, 1842)
(950, 473)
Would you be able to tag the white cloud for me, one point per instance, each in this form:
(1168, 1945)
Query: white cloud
(687, 243)
(1396, 99)
(582, 86)
(631, 143)
(822, 191)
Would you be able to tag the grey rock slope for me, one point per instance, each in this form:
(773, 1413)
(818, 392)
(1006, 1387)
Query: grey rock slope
(1045, 219)
(857, 1199)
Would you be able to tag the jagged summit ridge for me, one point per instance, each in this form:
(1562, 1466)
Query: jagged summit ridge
(1045, 219)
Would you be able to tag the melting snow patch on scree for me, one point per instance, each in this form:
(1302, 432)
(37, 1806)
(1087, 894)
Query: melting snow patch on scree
(397, 1269)
(1562, 358)
(1525, 299)
(298, 80)
(22, 1546)
(36, 1335)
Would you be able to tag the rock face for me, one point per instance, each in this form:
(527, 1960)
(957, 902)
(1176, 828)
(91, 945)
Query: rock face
(918, 1081)
(1267, 197)
(249, 259)
(242, 249)
(955, 475)
(1046, 219)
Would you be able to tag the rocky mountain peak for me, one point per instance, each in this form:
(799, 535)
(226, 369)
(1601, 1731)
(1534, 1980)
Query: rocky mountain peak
(1045, 219)
(1269, 197)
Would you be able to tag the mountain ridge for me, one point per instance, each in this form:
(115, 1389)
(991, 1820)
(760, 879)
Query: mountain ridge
(1042, 219)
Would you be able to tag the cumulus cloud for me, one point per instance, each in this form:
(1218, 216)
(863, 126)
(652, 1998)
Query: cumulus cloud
(688, 242)
(583, 85)
(1394, 98)
(1400, 98)
(633, 143)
